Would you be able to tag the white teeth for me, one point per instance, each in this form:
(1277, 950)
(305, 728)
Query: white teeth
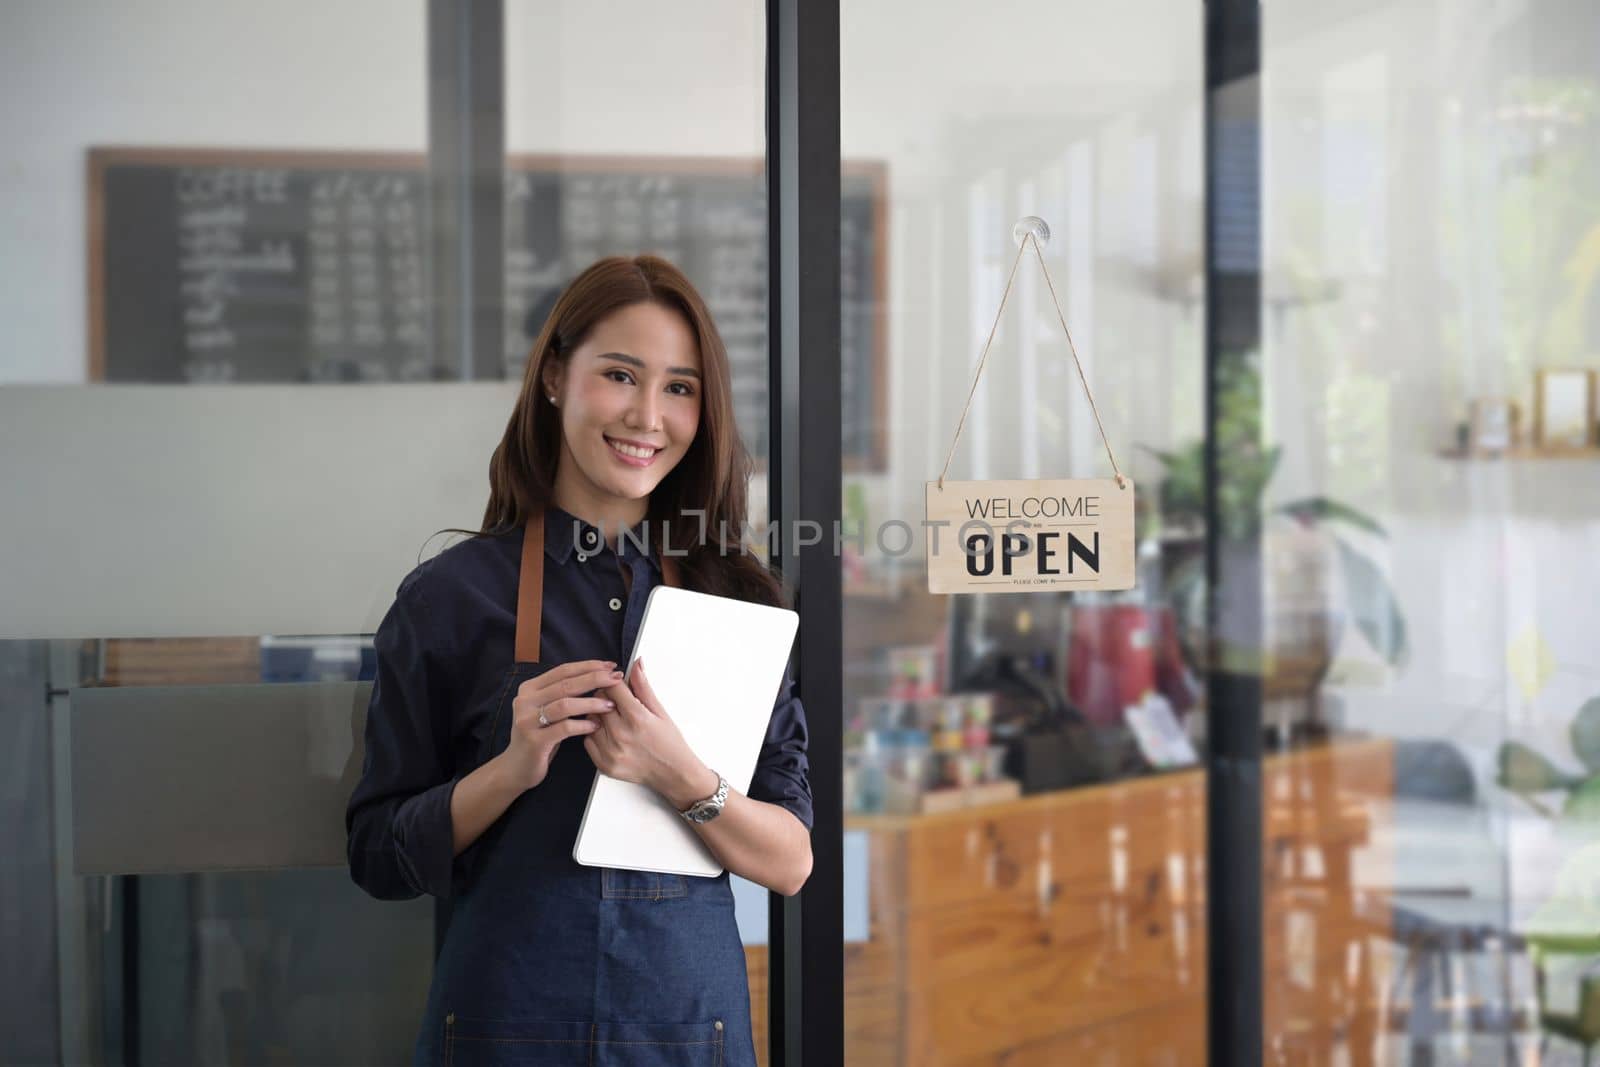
(630, 450)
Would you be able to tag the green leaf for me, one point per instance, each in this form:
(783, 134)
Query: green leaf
(1372, 605)
(1581, 816)
(1566, 922)
(1522, 770)
(1274, 454)
(1324, 508)
(1585, 734)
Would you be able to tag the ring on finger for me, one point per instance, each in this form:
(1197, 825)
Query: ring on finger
(542, 720)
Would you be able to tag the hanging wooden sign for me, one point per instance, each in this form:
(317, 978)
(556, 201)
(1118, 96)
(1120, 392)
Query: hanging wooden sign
(1024, 536)
(1027, 535)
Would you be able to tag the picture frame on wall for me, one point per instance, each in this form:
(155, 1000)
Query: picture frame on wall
(1493, 425)
(1564, 409)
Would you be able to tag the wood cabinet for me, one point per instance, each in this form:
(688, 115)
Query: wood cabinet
(1070, 927)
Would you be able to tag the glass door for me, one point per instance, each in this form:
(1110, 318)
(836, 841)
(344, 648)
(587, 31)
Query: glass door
(1024, 873)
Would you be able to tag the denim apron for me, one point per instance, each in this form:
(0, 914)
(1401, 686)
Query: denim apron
(548, 962)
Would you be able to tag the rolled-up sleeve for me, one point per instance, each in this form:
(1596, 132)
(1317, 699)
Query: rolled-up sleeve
(399, 838)
(782, 771)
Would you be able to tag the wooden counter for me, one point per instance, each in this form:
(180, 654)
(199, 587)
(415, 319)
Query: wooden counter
(1070, 925)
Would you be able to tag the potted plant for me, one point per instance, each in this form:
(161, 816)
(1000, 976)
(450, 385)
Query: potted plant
(1312, 575)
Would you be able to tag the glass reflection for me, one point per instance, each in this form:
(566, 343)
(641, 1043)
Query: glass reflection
(1033, 855)
(1425, 226)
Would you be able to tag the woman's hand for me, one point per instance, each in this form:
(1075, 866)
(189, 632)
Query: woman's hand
(640, 743)
(560, 694)
(751, 838)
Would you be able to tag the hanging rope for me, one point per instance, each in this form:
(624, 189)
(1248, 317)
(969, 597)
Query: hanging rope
(984, 357)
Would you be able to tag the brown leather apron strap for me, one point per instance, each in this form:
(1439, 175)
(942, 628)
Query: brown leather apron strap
(530, 586)
(530, 589)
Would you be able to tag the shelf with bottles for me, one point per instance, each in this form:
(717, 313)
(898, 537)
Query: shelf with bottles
(908, 756)
(918, 749)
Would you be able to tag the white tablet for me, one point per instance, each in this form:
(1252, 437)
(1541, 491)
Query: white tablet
(716, 663)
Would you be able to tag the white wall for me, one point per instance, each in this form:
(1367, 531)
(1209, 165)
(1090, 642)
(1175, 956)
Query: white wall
(234, 73)
(636, 78)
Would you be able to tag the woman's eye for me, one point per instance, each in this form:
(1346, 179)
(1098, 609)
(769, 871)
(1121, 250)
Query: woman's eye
(623, 377)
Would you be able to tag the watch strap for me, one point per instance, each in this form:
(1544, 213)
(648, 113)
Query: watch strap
(709, 808)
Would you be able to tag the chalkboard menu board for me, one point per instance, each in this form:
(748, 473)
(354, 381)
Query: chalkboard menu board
(249, 266)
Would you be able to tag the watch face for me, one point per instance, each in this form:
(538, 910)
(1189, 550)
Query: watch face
(709, 808)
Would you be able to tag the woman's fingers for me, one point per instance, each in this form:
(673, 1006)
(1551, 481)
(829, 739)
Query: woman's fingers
(641, 689)
(568, 680)
(567, 707)
(578, 666)
(586, 681)
(573, 728)
(624, 698)
(559, 694)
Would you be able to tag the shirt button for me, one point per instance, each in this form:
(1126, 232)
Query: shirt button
(616, 605)
(583, 557)
(589, 537)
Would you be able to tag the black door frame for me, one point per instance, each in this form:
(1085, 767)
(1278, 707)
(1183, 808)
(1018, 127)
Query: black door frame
(1234, 958)
(806, 933)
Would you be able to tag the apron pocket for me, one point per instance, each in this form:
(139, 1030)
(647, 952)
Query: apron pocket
(659, 1044)
(640, 885)
(470, 1042)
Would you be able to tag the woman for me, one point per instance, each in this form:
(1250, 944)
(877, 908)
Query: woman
(497, 697)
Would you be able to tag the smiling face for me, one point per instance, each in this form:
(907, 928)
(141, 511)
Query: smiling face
(629, 398)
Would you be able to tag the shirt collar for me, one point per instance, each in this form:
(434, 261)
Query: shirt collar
(564, 532)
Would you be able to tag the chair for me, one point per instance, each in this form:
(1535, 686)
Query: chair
(1582, 1026)
(1448, 921)
(1565, 927)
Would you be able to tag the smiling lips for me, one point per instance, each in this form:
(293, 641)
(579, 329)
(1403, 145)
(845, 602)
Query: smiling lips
(633, 455)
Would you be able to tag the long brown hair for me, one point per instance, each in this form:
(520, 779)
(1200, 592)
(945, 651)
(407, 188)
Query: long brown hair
(713, 475)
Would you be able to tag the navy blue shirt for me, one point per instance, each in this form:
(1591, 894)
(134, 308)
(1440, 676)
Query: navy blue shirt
(444, 654)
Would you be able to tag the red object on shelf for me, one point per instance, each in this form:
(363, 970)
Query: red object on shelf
(1110, 662)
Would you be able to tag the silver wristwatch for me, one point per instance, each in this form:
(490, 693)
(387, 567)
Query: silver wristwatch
(709, 808)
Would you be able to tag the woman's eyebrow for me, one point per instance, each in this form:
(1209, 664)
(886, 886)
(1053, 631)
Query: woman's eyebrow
(635, 361)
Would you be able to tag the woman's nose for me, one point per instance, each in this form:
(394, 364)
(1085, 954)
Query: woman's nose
(646, 411)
